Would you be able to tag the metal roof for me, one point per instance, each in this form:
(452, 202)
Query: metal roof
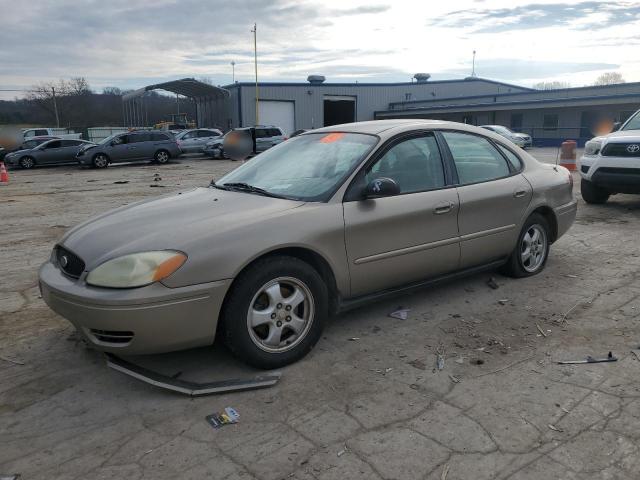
(188, 87)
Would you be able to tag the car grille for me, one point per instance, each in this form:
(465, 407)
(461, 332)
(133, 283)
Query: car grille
(112, 336)
(623, 171)
(69, 262)
(621, 150)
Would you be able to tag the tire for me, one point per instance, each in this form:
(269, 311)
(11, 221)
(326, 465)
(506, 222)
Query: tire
(260, 313)
(27, 162)
(100, 160)
(220, 155)
(593, 194)
(161, 157)
(525, 264)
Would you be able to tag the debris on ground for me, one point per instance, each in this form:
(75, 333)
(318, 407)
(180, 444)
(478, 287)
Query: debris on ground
(636, 355)
(503, 301)
(568, 275)
(157, 177)
(401, 313)
(554, 428)
(343, 451)
(445, 472)
(120, 182)
(540, 330)
(226, 417)
(590, 359)
(157, 185)
(440, 357)
(477, 361)
(15, 362)
(419, 364)
(354, 339)
(492, 283)
(454, 379)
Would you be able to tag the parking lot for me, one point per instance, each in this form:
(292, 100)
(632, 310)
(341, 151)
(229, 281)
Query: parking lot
(368, 402)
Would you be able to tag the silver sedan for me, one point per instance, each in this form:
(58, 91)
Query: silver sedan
(325, 221)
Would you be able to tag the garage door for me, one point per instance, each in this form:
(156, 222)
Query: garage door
(279, 114)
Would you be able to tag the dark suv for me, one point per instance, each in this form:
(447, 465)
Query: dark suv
(158, 147)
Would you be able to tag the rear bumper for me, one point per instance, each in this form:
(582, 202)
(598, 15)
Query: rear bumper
(565, 216)
(149, 319)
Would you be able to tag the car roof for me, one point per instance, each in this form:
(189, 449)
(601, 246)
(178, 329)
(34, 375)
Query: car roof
(376, 127)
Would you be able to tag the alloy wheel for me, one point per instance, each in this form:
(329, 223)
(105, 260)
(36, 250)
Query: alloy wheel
(533, 248)
(280, 314)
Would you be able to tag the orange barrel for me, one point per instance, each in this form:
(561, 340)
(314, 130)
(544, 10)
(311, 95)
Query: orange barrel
(568, 154)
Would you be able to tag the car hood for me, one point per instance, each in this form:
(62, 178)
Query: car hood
(620, 136)
(15, 153)
(520, 135)
(175, 222)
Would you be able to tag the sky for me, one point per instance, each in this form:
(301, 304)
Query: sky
(132, 43)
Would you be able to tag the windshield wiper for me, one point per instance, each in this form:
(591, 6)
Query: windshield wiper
(245, 187)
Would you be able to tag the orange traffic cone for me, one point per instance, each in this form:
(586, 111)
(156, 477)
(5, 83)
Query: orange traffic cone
(4, 176)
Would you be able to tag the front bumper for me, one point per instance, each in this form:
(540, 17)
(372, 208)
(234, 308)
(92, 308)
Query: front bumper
(615, 174)
(151, 319)
(12, 161)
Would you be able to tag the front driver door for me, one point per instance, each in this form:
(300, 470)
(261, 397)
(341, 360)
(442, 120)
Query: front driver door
(401, 239)
(493, 197)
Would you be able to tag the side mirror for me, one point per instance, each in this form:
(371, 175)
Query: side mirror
(382, 187)
(616, 126)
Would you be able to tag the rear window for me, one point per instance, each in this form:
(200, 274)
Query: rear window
(262, 133)
(274, 132)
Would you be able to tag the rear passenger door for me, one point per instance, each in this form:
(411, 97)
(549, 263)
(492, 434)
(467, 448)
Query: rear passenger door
(50, 152)
(493, 197)
(263, 139)
(68, 150)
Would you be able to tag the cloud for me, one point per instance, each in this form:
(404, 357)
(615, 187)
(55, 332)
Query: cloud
(364, 10)
(583, 15)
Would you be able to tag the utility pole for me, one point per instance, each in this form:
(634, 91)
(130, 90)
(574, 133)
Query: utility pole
(255, 61)
(233, 71)
(473, 68)
(55, 106)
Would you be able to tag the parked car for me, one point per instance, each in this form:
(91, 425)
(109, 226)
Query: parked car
(610, 163)
(325, 221)
(32, 142)
(48, 152)
(521, 139)
(50, 132)
(264, 137)
(194, 141)
(158, 147)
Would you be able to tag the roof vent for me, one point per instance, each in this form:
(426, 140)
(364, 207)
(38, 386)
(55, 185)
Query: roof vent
(422, 77)
(315, 79)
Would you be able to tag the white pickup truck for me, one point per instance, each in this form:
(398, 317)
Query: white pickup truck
(50, 132)
(611, 163)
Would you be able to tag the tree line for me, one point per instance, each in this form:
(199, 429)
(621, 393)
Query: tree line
(73, 104)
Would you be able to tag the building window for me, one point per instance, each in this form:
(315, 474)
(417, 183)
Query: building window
(550, 121)
(516, 121)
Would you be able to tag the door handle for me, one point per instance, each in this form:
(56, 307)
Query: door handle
(443, 208)
(519, 193)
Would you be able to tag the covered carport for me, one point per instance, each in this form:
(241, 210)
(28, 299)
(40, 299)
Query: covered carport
(211, 103)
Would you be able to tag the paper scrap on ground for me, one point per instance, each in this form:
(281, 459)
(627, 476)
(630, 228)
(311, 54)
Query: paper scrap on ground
(219, 419)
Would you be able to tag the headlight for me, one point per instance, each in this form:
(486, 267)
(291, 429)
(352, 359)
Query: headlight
(136, 269)
(592, 148)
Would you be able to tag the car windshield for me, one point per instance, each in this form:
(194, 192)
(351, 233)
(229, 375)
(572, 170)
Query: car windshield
(308, 167)
(104, 141)
(633, 123)
(502, 130)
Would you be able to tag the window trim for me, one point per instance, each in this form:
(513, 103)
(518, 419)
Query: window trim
(353, 195)
(512, 171)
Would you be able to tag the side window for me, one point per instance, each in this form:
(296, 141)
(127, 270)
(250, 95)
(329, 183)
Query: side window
(70, 143)
(53, 144)
(414, 164)
(206, 133)
(41, 132)
(475, 158)
(139, 137)
(514, 160)
(122, 139)
(262, 133)
(190, 135)
(158, 137)
(30, 144)
(274, 132)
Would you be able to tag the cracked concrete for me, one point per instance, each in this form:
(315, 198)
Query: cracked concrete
(371, 408)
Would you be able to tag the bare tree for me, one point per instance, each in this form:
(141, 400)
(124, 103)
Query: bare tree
(554, 85)
(609, 78)
(111, 91)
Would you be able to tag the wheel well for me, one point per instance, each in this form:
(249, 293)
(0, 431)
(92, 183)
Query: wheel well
(162, 150)
(312, 258)
(101, 153)
(550, 217)
(28, 156)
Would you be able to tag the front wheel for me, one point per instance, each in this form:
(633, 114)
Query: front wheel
(27, 162)
(275, 312)
(529, 257)
(592, 193)
(100, 161)
(162, 156)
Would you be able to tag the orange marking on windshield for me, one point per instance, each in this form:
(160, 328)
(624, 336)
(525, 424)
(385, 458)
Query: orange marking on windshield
(332, 137)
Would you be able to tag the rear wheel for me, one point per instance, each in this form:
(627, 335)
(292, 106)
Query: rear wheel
(529, 257)
(276, 312)
(27, 162)
(162, 156)
(100, 161)
(592, 193)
